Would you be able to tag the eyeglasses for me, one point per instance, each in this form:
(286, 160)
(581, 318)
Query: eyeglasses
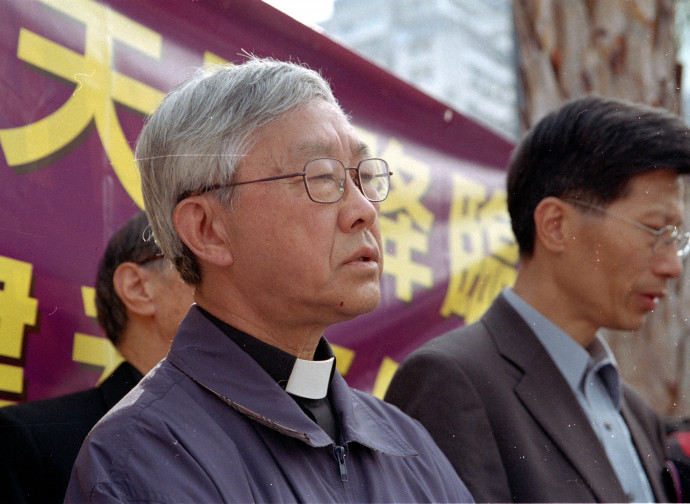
(148, 259)
(663, 237)
(325, 179)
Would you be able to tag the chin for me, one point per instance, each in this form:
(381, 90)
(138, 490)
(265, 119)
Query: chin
(631, 324)
(361, 303)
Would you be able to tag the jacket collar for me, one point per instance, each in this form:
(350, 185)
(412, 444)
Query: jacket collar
(285, 369)
(205, 354)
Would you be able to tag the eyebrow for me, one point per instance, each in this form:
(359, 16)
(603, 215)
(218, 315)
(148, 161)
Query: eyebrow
(319, 149)
(361, 150)
(669, 217)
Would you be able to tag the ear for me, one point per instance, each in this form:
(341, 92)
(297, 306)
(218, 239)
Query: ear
(200, 226)
(551, 224)
(132, 287)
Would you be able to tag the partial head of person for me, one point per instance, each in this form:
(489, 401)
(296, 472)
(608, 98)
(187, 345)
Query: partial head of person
(262, 194)
(596, 200)
(140, 298)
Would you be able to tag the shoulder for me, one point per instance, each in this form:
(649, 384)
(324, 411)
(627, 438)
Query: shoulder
(39, 441)
(445, 375)
(490, 346)
(85, 406)
(462, 369)
(394, 426)
(462, 348)
(142, 417)
(163, 439)
(399, 434)
(499, 322)
(388, 424)
(54, 413)
(161, 386)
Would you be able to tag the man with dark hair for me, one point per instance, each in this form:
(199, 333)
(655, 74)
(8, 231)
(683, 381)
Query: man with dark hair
(140, 301)
(527, 403)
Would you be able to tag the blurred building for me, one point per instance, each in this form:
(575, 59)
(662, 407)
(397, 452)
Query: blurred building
(462, 52)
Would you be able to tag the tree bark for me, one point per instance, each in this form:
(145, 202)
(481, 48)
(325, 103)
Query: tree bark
(621, 48)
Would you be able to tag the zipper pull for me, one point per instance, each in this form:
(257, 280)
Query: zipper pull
(340, 455)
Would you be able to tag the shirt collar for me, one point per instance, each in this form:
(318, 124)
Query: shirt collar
(299, 377)
(603, 363)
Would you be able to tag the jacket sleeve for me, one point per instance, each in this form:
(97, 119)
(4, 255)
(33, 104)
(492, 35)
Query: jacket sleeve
(432, 387)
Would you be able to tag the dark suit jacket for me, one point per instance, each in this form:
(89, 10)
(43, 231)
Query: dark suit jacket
(39, 440)
(500, 409)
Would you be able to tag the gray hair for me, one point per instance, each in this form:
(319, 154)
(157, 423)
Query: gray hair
(202, 130)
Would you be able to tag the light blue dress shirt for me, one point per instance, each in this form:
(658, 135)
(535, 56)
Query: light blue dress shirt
(593, 376)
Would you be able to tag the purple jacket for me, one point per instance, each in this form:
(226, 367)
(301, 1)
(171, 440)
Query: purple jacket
(210, 425)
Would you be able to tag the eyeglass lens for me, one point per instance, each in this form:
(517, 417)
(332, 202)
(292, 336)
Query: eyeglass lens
(325, 179)
(673, 236)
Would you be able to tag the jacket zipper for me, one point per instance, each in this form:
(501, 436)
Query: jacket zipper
(340, 454)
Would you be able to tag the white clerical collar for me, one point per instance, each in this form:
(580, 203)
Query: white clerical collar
(310, 379)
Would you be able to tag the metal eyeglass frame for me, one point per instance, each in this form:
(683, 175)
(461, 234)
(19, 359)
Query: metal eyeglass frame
(303, 174)
(153, 257)
(681, 239)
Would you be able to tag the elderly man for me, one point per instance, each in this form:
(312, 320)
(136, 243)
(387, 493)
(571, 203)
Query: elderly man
(140, 301)
(265, 199)
(527, 403)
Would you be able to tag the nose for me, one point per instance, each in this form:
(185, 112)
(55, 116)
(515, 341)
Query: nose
(667, 263)
(356, 211)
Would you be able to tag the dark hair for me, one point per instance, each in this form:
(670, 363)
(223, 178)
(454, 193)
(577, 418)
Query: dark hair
(131, 243)
(589, 149)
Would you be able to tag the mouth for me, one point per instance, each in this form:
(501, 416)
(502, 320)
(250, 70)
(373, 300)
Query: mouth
(367, 257)
(651, 299)
(364, 255)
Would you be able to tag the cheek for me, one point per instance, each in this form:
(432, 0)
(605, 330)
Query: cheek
(297, 232)
(180, 296)
(314, 233)
(623, 273)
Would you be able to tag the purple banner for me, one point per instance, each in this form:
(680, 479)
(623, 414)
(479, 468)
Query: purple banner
(77, 78)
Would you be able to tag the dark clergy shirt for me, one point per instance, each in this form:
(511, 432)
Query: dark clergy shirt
(279, 365)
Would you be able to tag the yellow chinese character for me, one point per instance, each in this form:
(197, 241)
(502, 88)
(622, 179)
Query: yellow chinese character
(95, 350)
(343, 358)
(406, 222)
(483, 252)
(17, 311)
(97, 88)
(384, 377)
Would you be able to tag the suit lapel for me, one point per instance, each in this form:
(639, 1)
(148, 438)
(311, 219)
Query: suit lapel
(547, 396)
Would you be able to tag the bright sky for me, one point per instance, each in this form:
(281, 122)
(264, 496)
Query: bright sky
(305, 11)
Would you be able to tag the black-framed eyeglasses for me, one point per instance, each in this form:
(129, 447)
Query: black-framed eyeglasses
(663, 237)
(325, 179)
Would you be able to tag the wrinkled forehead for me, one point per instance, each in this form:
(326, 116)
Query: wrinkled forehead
(316, 129)
(357, 150)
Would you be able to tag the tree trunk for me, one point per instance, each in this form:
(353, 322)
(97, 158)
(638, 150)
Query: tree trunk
(625, 49)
